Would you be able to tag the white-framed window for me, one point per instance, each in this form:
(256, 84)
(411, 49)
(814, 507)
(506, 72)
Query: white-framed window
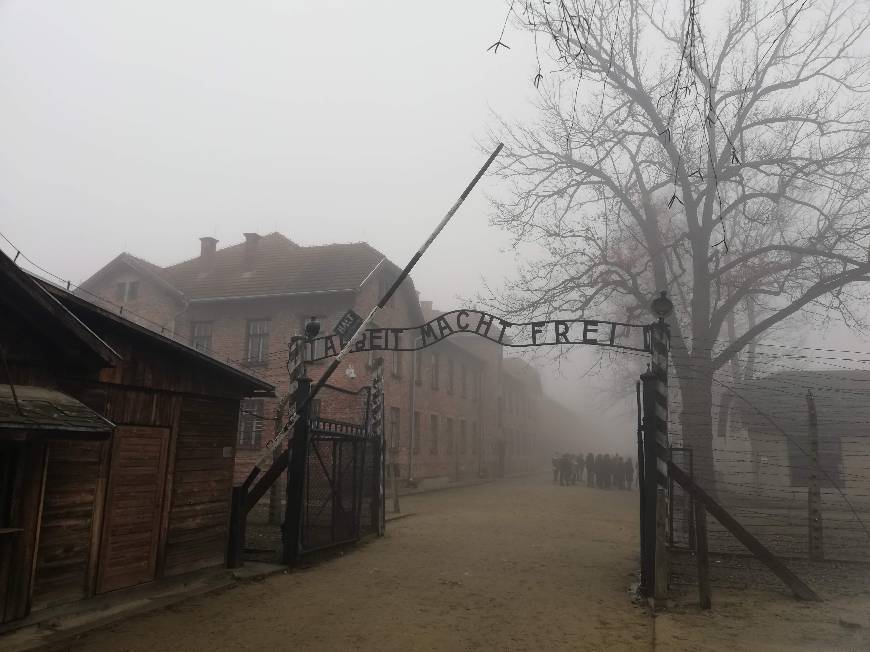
(257, 341)
(433, 434)
(418, 436)
(436, 371)
(393, 421)
(200, 335)
(127, 291)
(251, 423)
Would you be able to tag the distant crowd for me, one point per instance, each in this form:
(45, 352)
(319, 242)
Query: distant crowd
(602, 471)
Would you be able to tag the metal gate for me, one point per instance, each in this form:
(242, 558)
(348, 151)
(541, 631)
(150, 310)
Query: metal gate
(334, 490)
(342, 493)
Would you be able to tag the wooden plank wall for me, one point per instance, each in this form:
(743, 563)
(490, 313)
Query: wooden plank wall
(134, 507)
(20, 553)
(147, 364)
(201, 485)
(75, 490)
(74, 471)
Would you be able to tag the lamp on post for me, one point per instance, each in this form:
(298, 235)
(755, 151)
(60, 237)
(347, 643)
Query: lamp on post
(312, 328)
(661, 306)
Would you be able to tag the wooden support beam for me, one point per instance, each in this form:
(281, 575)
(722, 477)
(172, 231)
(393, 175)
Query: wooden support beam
(266, 480)
(237, 528)
(761, 553)
(703, 555)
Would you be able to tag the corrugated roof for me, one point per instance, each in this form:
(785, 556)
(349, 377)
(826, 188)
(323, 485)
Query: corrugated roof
(279, 267)
(28, 408)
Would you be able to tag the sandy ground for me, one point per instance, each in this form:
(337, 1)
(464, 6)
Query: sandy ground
(753, 610)
(515, 565)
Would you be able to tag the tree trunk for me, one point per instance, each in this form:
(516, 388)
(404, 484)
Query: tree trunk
(724, 415)
(697, 395)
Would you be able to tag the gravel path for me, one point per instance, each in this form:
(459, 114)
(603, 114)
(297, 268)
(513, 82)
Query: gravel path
(514, 565)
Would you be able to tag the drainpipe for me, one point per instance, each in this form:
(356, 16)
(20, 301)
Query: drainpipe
(411, 439)
(481, 418)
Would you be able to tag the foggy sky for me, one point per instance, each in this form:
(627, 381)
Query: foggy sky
(142, 126)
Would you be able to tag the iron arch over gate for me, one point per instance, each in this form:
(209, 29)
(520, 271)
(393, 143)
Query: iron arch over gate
(353, 334)
(554, 332)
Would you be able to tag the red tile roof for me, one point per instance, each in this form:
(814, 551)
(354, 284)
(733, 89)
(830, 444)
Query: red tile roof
(279, 267)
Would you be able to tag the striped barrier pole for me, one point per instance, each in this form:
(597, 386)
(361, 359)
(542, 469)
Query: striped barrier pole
(656, 449)
(659, 341)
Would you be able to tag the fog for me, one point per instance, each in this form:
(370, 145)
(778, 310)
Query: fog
(716, 152)
(142, 126)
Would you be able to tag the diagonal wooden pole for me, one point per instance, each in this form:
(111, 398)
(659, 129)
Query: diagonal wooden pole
(763, 554)
(348, 347)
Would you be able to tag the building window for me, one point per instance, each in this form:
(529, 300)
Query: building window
(435, 370)
(393, 427)
(463, 382)
(418, 367)
(448, 432)
(397, 364)
(417, 434)
(463, 438)
(449, 375)
(476, 384)
(314, 408)
(251, 423)
(433, 434)
(257, 344)
(127, 291)
(200, 336)
(475, 441)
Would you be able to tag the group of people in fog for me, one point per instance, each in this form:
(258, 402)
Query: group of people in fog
(602, 471)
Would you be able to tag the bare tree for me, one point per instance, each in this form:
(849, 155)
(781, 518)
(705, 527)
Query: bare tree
(728, 166)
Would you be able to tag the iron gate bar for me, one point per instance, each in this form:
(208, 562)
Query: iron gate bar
(330, 497)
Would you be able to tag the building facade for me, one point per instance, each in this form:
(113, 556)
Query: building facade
(456, 409)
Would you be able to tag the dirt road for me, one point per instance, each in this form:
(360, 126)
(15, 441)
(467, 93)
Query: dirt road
(514, 565)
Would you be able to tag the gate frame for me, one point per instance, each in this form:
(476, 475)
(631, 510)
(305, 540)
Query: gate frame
(655, 504)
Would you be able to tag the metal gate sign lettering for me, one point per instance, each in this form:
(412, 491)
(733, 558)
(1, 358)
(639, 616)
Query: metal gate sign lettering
(348, 324)
(592, 332)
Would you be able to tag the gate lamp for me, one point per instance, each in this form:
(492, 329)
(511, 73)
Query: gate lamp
(661, 306)
(312, 328)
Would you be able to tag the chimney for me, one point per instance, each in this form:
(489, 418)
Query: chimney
(207, 247)
(426, 307)
(251, 241)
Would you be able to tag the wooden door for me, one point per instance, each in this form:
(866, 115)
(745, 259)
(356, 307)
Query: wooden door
(134, 505)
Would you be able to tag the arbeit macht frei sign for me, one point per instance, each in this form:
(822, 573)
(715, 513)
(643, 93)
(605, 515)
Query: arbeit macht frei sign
(592, 332)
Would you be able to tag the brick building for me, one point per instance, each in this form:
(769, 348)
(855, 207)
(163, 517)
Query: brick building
(455, 409)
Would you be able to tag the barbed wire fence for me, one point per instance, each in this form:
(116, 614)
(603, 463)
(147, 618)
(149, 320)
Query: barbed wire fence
(766, 464)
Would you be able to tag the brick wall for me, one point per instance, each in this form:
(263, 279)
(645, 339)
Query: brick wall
(487, 438)
(152, 302)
